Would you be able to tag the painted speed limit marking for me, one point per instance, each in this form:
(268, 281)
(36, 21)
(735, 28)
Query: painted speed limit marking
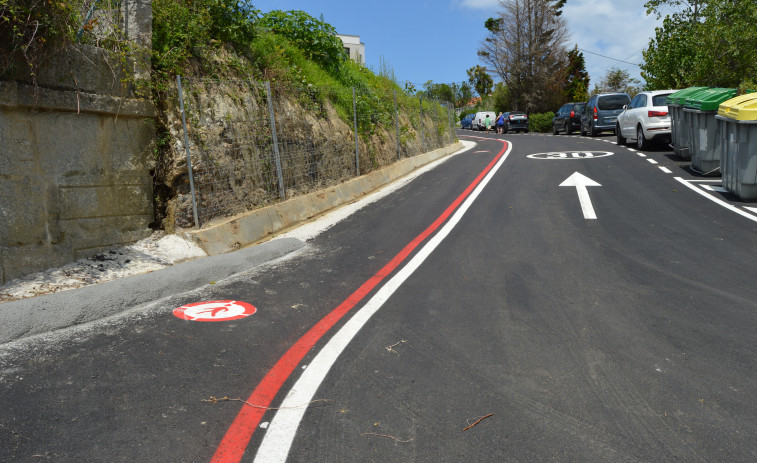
(214, 311)
(571, 155)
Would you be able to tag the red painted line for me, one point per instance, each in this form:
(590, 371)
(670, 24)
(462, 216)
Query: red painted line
(234, 443)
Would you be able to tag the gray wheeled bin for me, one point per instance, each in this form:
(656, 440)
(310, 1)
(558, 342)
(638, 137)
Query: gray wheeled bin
(737, 119)
(699, 114)
(679, 133)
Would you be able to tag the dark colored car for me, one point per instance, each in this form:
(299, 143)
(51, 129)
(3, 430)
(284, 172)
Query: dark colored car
(601, 112)
(568, 118)
(517, 121)
(465, 122)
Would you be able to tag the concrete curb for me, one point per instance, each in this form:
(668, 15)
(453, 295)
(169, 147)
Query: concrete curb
(28, 317)
(250, 227)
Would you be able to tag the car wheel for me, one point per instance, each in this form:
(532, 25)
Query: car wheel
(568, 129)
(641, 142)
(554, 130)
(621, 140)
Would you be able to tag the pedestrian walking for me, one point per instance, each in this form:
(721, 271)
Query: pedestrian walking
(488, 123)
(500, 123)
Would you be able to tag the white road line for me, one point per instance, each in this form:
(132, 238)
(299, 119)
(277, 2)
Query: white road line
(631, 150)
(642, 155)
(280, 435)
(651, 161)
(718, 201)
(707, 187)
(752, 209)
(666, 170)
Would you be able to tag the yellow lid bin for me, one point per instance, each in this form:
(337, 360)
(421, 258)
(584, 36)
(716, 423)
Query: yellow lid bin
(741, 108)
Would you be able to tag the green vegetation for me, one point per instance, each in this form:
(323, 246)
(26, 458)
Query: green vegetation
(702, 43)
(541, 122)
(30, 30)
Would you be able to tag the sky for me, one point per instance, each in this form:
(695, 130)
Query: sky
(437, 40)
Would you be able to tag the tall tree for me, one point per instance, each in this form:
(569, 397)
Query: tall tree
(702, 42)
(525, 47)
(618, 80)
(480, 80)
(576, 77)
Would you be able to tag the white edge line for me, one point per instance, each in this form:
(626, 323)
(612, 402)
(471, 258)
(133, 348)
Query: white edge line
(666, 170)
(280, 434)
(651, 161)
(718, 201)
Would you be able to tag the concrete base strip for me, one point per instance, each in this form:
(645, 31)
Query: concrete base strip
(250, 227)
(42, 314)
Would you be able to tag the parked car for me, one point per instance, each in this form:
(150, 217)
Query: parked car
(517, 121)
(568, 118)
(479, 121)
(645, 119)
(465, 122)
(601, 112)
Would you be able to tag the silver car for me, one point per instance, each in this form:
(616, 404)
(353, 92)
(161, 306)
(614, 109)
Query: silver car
(645, 119)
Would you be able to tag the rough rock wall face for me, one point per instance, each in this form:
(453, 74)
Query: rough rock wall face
(75, 162)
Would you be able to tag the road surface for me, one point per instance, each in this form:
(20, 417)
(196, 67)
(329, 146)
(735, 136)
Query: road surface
(534, 298)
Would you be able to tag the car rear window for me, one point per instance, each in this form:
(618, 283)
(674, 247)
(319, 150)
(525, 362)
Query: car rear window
(610, 102)
(660, 100)
(579, 107)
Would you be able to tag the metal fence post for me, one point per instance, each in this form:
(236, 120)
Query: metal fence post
(436, 121)
(276, 156)
(450, 121)
(423, 140)
(397, 126)
(357, 146)
(189, 158)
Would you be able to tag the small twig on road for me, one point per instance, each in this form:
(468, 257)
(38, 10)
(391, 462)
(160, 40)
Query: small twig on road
(214, 400)
(391, 348)
(477, 421)
(386, 435)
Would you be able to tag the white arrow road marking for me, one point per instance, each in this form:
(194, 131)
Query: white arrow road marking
(581, 182)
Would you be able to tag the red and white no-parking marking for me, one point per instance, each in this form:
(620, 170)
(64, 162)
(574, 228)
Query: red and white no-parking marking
(214, 311)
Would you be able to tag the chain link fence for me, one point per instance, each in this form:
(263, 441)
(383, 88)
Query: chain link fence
(249, 144)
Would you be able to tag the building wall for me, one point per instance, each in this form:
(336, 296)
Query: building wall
(355, 47)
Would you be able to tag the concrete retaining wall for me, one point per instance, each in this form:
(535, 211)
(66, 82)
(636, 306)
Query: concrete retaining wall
(250, 227)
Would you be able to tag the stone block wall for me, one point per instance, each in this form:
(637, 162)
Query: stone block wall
(76, 154)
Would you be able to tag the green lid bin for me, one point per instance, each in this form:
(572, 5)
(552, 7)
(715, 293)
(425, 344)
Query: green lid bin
(699, 113)
(679, 135)
(737, 119)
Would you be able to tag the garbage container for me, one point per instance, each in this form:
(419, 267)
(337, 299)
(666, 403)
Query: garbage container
(737, 119)
(699, 114)
(679, 134)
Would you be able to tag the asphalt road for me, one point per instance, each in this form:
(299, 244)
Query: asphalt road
(477, 295)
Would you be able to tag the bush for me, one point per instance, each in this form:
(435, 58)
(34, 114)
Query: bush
(317, 39)
(541, 122)
(31, 29)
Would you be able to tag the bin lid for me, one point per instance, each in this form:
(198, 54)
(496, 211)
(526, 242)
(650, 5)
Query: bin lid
(679, 97)
(741, 108)
(709, 99)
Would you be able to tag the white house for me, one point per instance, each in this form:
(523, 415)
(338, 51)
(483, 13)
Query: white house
(353, 47)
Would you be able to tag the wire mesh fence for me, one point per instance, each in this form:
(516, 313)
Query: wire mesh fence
(249, 144)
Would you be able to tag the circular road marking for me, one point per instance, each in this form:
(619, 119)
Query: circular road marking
(571, 155)
(214, 311)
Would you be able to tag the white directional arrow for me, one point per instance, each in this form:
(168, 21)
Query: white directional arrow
(581, 182)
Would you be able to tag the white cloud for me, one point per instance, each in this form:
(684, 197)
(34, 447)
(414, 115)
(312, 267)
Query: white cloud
(616, 29)
(476, 4)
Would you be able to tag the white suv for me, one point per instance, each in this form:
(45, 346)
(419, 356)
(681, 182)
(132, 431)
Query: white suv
(645, 119)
